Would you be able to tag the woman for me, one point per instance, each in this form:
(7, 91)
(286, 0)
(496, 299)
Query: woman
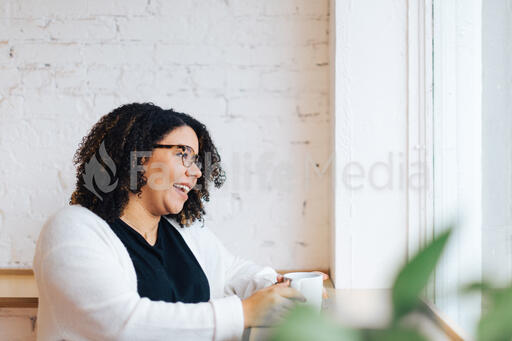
(127, 260)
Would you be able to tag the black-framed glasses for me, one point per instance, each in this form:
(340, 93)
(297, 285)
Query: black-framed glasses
(188, 157)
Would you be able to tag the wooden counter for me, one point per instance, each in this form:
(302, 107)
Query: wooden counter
(370, 308)
(355, 308)
(18, 289)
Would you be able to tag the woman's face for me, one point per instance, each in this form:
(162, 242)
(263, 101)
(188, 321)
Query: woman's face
(164, 192)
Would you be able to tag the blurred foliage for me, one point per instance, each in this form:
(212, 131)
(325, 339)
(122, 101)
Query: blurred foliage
(392, 334)
(496, 321)
(304, 324)
(414, 276)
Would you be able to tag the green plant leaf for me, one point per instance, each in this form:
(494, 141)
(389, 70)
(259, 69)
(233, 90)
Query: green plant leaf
(484, 287)
(305, 324)
(414, 276)
(496, 323)
(393, 334)
(493, 294)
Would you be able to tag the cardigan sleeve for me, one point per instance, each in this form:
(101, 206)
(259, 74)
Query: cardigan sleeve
(243, 277)
(90, 296)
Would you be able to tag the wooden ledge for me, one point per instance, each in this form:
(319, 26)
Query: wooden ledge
(18, 289)
(19, 302)
(17, 272)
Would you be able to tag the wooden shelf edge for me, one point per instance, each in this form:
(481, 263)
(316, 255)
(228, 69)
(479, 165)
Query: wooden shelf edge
(452, 331)
(16, 272)
(19, 302)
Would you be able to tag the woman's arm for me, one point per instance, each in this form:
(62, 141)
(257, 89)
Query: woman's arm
(243, 277)
(90, 295)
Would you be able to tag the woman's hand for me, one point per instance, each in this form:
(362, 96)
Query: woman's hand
(280, 279)
(279, 296)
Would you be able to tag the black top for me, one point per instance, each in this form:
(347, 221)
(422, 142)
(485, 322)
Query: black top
(167, 271)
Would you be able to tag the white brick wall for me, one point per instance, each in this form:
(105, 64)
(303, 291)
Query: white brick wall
(255, 71)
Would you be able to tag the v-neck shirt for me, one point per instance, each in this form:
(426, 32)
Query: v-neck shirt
(167, 271)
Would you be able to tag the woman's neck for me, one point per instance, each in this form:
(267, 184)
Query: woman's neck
(139, 218)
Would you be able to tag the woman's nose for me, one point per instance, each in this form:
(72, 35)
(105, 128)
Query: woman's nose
(194, 171)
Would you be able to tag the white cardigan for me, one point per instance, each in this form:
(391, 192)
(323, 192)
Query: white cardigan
(88, 286)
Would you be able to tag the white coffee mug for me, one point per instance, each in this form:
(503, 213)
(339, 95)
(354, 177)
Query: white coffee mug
(310, 284)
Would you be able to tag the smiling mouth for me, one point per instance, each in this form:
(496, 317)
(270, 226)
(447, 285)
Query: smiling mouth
(184, 188)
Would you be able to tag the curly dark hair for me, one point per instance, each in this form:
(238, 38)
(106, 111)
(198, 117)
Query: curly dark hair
(137, 127)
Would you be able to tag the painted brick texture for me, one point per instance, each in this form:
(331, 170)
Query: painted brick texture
(255, 72)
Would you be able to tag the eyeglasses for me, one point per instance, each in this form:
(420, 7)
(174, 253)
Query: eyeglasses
(188, 157)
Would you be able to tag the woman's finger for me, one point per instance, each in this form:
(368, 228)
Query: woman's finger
(283, 283)
(291, 293)
(287, 304)
(276, 313)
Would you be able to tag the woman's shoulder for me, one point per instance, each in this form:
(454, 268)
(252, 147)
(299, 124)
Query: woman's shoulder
(74, 211)
(72, 217)
(71, 224)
